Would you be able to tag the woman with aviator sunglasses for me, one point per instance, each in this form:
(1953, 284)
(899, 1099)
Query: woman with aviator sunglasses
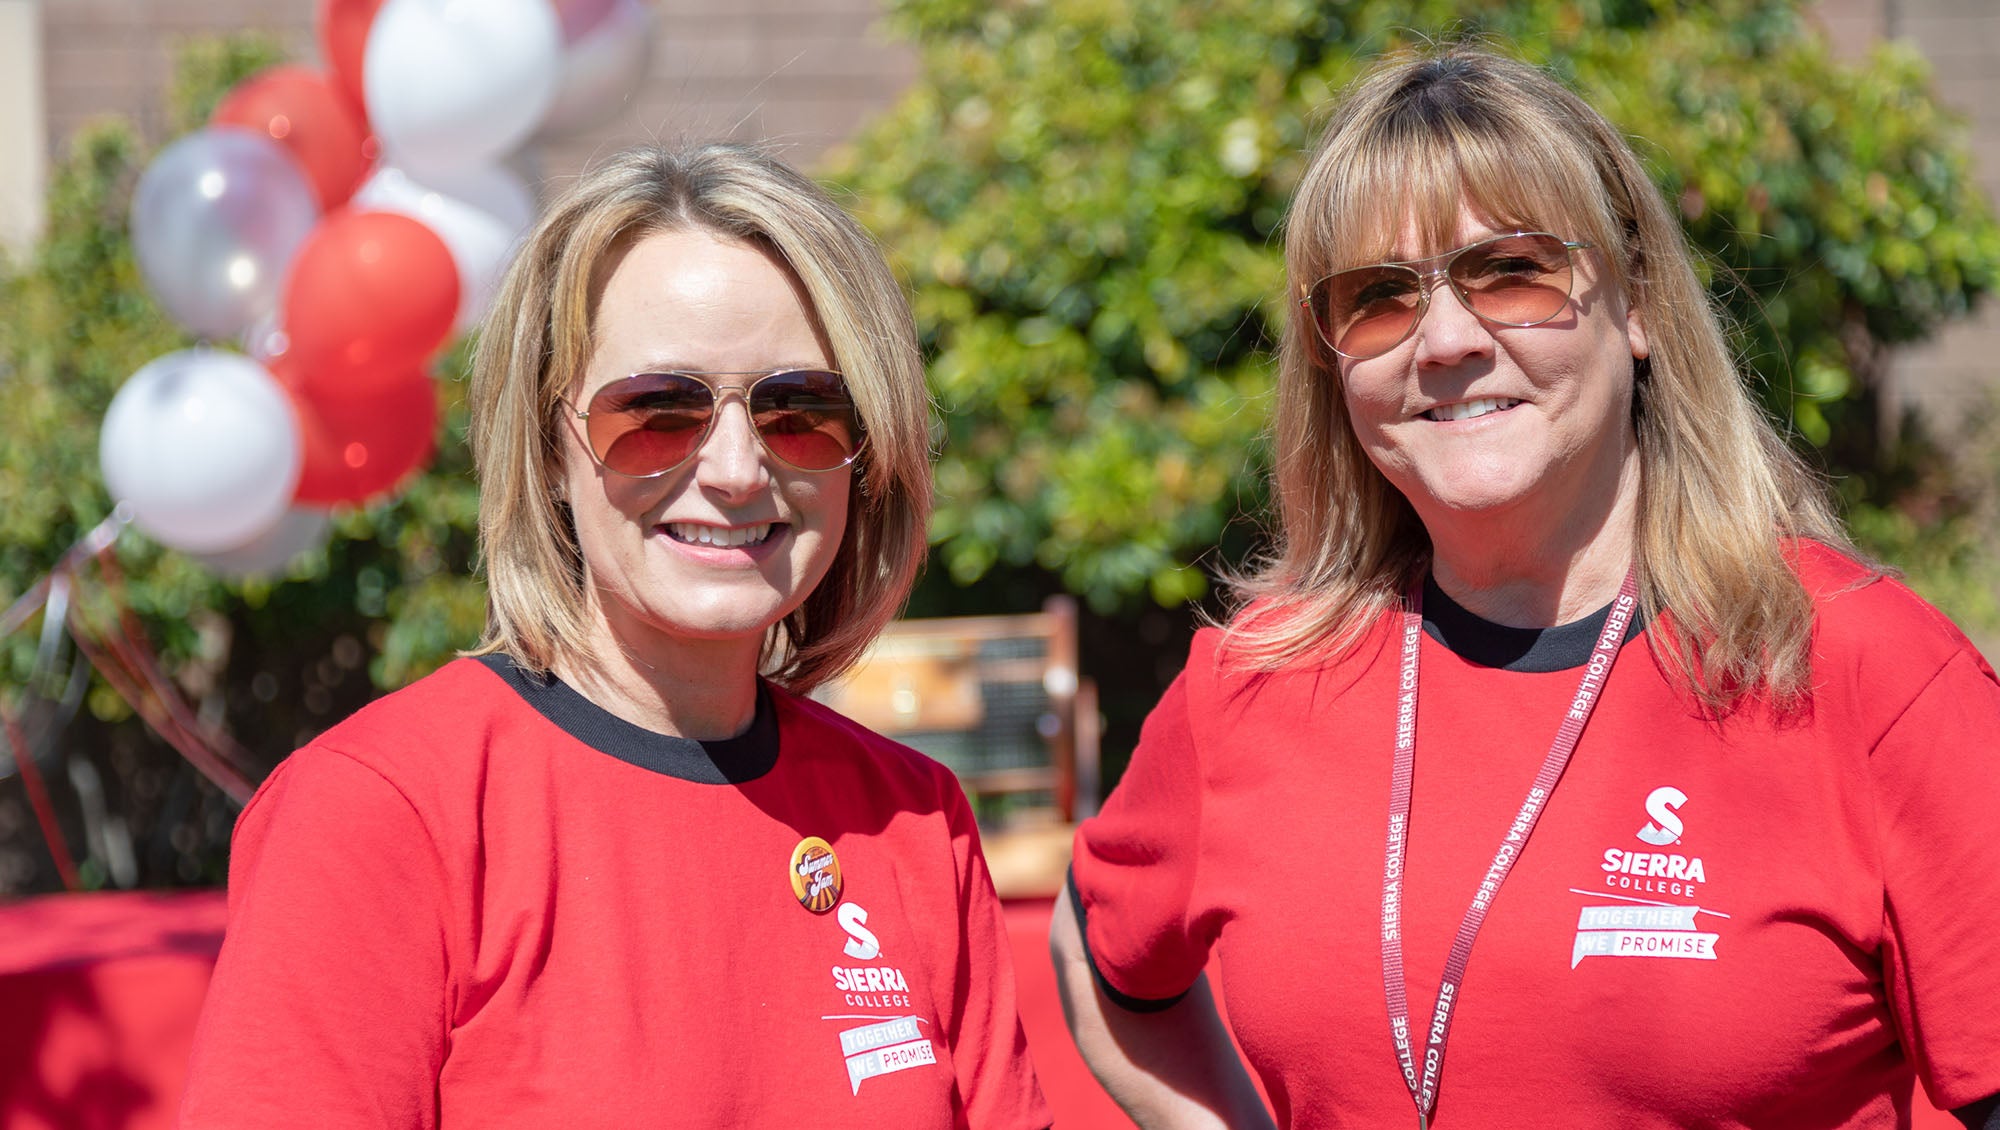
(1566, 765)
(613, 868)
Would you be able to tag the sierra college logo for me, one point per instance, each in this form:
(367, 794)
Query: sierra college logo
(1639, 926)
(887, 1042)
(1665, 827)
(1654, 872)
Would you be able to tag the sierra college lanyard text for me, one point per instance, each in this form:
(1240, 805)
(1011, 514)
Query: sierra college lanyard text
(1424, 1087)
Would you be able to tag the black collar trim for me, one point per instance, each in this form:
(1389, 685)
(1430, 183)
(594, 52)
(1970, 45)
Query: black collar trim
(730, 761)
(1533, 650)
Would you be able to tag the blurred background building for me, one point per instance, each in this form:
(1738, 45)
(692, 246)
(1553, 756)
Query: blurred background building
(806, 74)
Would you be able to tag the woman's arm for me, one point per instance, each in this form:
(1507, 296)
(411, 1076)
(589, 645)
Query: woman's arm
(328, 1003)
(1175, 1068)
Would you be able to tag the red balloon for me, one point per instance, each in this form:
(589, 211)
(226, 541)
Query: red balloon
(300, 110)
(369, 294)
(360, 447)
(343, 39)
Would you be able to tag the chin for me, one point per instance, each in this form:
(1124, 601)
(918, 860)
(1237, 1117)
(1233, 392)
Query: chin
(1485, 501)
(1472, 492)
(721, 618)
(719, 625)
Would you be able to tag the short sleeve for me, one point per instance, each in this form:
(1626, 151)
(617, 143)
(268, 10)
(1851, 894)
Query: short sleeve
(1133, 874)
(989, 1049)
(1937, 784)
(328, 1004)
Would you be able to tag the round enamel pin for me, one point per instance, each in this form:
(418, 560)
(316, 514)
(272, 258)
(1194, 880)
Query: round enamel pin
(815, 875)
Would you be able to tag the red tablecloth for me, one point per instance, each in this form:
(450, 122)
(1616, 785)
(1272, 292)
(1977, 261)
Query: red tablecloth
(1075, 1095)
(99, 993)
(98, 998)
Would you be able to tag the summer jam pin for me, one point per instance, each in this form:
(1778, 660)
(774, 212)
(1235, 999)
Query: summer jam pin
(815, 875)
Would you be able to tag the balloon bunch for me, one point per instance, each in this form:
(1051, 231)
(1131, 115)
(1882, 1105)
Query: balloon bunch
(343, 225)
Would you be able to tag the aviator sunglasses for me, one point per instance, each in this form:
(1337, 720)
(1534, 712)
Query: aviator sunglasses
(1517, 279)
(650, 423)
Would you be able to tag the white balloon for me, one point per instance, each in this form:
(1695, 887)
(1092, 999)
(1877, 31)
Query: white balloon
(601, 70)
(481, 212)
(204, 447)
(459, 82)
(298, 530)
(216, 218)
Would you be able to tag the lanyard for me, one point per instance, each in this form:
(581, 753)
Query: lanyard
(1424, 1088)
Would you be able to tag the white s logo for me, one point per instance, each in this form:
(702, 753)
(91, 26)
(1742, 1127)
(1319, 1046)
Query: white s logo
(862, 944)
(1665, 827)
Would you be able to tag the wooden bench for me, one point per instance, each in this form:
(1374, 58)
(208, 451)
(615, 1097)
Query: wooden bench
(999, 699)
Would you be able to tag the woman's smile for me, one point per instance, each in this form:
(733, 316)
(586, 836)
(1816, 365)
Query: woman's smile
(723, 537)
(1469, 409)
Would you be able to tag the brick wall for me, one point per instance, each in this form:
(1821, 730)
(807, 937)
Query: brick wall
(116, 56)
(804, 73)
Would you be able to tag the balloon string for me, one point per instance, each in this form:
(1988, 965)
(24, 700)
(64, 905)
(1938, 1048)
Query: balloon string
(161, 710)
(38, 799)
(30, 603)
(218, 746)
(52, 583)
(120, 653)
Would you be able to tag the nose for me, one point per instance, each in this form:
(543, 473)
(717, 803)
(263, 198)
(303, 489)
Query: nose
(1447, 330)
(731, 460)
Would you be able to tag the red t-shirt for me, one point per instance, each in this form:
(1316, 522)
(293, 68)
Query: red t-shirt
(485, 902)
(1757, 923)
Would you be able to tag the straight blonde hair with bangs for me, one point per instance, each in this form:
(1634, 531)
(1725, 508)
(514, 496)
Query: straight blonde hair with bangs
(1721, 498)
(537, 340)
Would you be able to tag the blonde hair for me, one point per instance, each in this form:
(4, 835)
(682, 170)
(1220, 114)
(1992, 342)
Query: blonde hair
(538, 337)
(1721, 497)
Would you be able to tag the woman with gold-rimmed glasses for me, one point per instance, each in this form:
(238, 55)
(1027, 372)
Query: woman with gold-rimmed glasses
(614, 869)
(1563, 731)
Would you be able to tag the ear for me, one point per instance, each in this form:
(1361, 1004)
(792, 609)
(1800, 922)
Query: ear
(1635, 332)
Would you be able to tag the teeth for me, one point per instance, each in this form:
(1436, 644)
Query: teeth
(1470, 409)
(696, 534)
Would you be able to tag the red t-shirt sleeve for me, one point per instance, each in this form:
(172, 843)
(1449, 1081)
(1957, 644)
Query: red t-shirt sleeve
(327, 1007)
(989, 1049)
(1134, 865)
(1937, 788)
